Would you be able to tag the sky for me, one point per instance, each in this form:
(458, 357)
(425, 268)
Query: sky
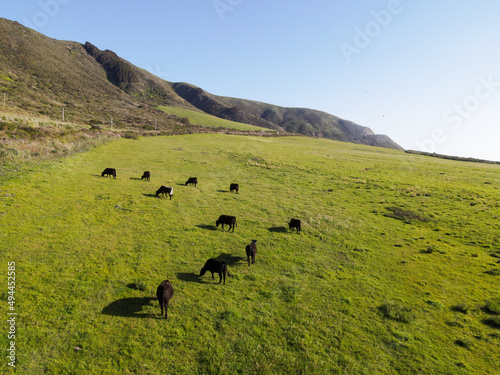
(424, 72)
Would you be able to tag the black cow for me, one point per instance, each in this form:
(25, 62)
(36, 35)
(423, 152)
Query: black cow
(225, 219)
(146, 176)
(165, 190)
(234, 187)
(251, 250)
(164, 292)
(294, 223)
(192, 181)
(109, 172)
(216, 266)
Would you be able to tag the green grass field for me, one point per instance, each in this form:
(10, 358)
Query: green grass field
(204, 119)
(357, 292)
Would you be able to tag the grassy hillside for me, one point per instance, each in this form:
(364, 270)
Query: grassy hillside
(395, 272)
(42, 77)
(304, 121)
(204, 119)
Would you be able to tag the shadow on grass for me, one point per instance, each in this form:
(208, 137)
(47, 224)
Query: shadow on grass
(138, 285)
(101, 176)
(188, 276)
(278, 229)
(493, 322)
(194, 278)
(230, 259)
(223, 191)
(493, 272)
(129, 307)
(157, 196)
(207, 227)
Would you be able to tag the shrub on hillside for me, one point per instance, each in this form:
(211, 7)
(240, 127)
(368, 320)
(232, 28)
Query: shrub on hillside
(95, 122)
(404, 215)
(396, 311)
(493, 306)
(130, 135)
(464, 343)
(461, 308)
(138, 285)
(493, 322)
(428, 250)
(493, 272)
(7, 126)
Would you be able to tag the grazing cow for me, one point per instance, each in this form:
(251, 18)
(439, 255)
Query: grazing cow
(234, 187)
(165, 190)
(251, 250)
(216, 266)
(109, 172)
(146, 176)
(164, 293)
(191, 181)
(294, 223)
(225, 219)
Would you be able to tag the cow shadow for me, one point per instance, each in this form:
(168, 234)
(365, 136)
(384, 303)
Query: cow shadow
(194, 277)
(129, 307)
(230, 259)
(490, 322)
(101, 176)
(189, 277)
(223, 191)
(155, 196)
(135, 178)
(278, 229)
(207, 227)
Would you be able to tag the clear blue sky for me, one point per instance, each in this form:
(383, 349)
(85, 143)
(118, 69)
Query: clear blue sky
(424, 72)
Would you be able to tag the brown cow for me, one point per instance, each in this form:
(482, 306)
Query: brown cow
(234, 187)
(192, 181)
(164, 292)
(226, 219)
(251, 250)
(109, 172)
(294, 223)
(215, 266)
(165, 190)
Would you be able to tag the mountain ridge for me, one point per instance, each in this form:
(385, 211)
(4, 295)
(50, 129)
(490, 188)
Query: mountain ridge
(42, 75)
(304, 121)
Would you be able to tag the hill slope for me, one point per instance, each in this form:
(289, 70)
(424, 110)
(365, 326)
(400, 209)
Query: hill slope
(41, 75)
(361, 290)
(294, 120)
